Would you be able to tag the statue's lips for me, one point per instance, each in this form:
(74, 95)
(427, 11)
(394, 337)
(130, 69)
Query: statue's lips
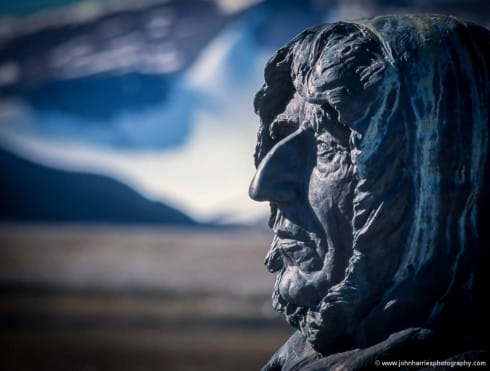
(291, 247)
(297, 235)
(293, 250)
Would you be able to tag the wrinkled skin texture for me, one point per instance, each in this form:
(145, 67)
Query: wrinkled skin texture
(352, 167)
(308, 176)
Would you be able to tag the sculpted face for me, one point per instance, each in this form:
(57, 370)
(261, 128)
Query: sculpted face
(307, 177)
(375, 174)
(304, 166)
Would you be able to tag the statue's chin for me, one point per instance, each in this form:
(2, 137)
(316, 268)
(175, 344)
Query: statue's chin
(298, 295)
(295, 314)
(308, 320)
(302, 289)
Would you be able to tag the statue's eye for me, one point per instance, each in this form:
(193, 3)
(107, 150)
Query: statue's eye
(328, 147)
(324, 150)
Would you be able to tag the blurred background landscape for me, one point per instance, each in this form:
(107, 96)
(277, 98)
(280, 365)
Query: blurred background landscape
(127, 239)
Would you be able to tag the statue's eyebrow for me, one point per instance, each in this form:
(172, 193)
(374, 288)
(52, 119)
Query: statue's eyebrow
(282, 126)
(324, 118)
(286, 122)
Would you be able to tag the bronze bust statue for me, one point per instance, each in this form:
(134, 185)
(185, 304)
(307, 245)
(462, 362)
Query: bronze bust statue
(372, 152)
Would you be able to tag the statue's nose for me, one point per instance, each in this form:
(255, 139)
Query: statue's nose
(279, 176)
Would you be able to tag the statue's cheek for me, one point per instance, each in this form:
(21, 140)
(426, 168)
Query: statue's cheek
(327, 186)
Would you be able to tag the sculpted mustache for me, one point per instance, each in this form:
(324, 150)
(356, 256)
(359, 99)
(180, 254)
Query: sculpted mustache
(284, 228)
(273, 216)
(273, 260)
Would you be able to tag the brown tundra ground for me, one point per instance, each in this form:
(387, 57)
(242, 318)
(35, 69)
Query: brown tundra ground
(89, 298)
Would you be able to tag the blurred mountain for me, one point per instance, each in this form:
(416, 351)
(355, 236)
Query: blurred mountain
(158, 92)
(31, 192)
(81, 67)
(103, 42)
(86, 64)
(81, 70)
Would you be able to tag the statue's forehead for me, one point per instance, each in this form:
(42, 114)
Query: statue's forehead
(299, 113)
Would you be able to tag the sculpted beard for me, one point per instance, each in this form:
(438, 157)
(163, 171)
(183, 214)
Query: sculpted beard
(306, 318)
(295, 314)
(310, 263)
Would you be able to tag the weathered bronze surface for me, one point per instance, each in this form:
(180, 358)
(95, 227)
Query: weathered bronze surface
(372, 151)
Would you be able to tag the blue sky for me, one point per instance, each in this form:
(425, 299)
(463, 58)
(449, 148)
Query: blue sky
(159, 98)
